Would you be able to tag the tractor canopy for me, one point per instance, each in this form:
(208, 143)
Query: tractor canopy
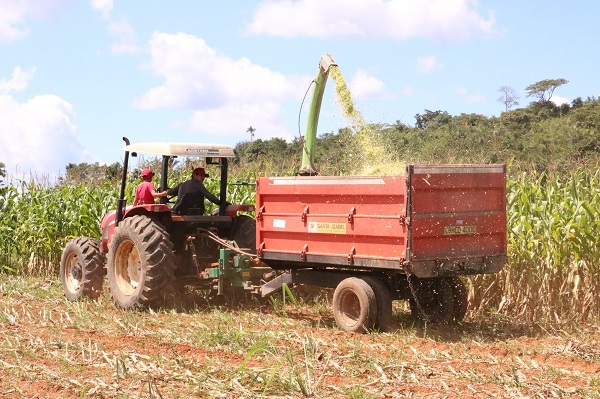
(213, 154)
(182, 149)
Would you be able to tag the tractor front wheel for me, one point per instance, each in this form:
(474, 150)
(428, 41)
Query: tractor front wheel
(141, 263)
(82, 269)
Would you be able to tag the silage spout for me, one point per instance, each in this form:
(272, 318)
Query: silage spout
(310, 136)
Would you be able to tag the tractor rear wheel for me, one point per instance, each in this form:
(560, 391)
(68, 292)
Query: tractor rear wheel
(141, 263)
(433, 301)
(244, 232)
(354, 305)
(82, 269)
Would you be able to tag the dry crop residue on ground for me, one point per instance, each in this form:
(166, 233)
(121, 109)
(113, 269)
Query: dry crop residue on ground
(51, 348)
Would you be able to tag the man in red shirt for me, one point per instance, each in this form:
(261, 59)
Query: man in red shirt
(146, 192)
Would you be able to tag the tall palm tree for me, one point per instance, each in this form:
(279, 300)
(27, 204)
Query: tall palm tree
(251, 130)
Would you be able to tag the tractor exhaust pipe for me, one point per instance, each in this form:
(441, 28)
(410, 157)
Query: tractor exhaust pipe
(310, 136)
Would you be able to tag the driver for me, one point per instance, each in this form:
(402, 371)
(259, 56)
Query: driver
(193, 187)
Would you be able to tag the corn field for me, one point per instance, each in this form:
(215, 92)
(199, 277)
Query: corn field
(554, 257)
(553, 228)
(37, 220)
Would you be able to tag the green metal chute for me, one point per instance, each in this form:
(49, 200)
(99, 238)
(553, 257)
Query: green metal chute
(307, 168)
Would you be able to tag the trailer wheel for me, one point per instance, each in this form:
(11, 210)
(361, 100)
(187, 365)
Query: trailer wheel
(460, 296)
(433, 301)
(354, 305)
(384, 303)
(141, 263)
(82, 269)
(244, 232)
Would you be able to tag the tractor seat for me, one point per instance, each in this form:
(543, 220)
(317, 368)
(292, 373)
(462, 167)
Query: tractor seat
(190, 204)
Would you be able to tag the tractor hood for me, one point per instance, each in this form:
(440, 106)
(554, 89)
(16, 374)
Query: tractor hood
(182, 149)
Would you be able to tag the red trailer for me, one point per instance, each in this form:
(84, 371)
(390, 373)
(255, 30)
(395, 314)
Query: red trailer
(378, 238)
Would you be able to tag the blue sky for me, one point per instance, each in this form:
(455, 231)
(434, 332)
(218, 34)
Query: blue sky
(77, 75)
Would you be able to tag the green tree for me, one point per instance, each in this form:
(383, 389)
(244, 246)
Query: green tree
(432, 119)
(544, 89)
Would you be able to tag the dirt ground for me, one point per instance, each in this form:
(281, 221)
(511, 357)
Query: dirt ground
(52, 348)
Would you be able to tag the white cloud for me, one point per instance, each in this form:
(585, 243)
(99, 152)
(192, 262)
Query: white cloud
(428, 64)
(117, 27)
(105, 7)
(125, 37)
(469, 97)
(234, 119)
(442, 20)
(409, 91)
(13, 15)
(227, 94)
(19, 81)
(364, 85)
(39, 135)
(558, 100)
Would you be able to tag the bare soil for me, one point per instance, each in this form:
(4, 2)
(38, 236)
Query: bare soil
(52, 348)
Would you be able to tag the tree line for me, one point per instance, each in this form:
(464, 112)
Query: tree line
(540, 137)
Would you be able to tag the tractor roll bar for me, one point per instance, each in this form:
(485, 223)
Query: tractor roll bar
(121, 200)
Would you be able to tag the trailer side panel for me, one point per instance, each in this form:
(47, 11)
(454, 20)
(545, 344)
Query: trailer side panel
(346, 221)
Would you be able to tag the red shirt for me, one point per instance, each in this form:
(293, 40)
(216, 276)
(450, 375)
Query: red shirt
(144, 193)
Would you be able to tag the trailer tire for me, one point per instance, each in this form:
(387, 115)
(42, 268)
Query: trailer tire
(82, 269)
(141, 263)
(460, 296)
(384, 303)
(354, 305)
(434, 301)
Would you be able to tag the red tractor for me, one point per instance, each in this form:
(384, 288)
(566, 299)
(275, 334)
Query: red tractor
(145, 248)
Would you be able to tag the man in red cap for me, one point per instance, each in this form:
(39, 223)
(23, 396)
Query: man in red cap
(195, 190)
(146, 192)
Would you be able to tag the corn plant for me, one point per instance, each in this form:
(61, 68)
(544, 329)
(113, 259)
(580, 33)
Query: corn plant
(554, 258)
(37, 220)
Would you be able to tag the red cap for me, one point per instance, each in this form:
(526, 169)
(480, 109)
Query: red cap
(200, 171)
(147, 173)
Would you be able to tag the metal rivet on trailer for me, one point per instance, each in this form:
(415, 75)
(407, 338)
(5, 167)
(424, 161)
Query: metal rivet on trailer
(303, 217)
(351, 255)
(351, 215)
(303, 253)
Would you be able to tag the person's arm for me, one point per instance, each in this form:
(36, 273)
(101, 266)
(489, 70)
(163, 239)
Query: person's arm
(210, 196)
(161, 194)
(136, 199)
(173, 191)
